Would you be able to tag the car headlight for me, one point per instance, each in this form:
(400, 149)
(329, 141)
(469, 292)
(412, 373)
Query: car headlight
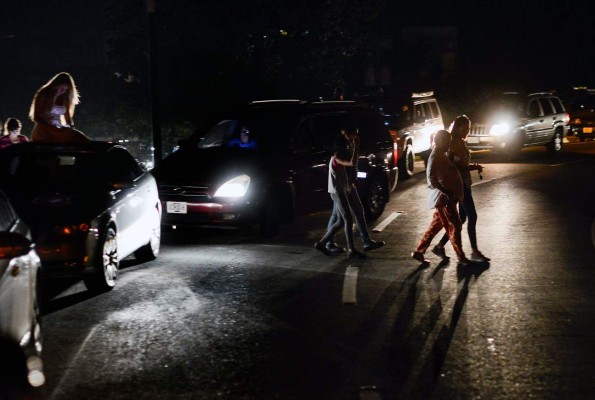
(236, 187)
(500, 129)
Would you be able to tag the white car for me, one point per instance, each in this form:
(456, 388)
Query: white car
(88, 205)
(20, 269)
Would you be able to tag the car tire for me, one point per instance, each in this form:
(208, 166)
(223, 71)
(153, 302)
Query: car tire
(554, 147)
(375, 198)
(150, 251)
(270, 216)
(407, 162)
(106, 265)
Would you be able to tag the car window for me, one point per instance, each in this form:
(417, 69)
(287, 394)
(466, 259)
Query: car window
(533, 109)
(418, 111)
(372, 130)
(557, 104)
(546, 106)
(304, 138)
(328, 128)
(7, 215)
(121, 166)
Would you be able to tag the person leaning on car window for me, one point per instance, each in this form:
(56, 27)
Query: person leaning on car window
(244, 141)
(12, 133)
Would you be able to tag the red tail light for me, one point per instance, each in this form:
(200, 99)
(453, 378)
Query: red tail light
(567, 118)
(395, 152)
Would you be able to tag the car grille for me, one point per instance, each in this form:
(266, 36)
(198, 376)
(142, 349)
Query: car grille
(195, 193)
(479, 130)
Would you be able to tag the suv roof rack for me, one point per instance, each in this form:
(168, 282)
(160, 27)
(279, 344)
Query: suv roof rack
(541, 94)
(417, 95)
(282, 101)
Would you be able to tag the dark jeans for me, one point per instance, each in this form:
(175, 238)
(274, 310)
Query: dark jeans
(345, 220)
(358, 213)
(467, 213)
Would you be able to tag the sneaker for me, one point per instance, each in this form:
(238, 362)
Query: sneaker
(439, 251)
(373, 244)
(478, 257)
(464, 262)
(416, 255)
(354, 254)
(335, 248)
(321, 247)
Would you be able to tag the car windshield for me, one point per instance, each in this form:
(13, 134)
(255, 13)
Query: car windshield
(51, 172)
(510, 105)
(255, 131)
(396, 112)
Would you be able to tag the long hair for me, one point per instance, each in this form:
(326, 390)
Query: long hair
(458, 124)
(44, 97)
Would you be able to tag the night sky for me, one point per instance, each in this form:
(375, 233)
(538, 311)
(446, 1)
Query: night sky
(531, 45)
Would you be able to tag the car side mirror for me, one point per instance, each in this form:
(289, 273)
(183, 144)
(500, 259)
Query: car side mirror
(14, 245)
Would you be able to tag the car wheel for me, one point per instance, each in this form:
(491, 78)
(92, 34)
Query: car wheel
(555, 146)
(107, 264)
(150, 251)
(270, 217)
(375, 199)
(407, 162)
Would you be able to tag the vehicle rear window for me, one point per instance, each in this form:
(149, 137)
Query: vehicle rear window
(557, 104)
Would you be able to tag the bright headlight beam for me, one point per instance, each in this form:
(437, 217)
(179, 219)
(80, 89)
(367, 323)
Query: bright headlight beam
(236, 187)
(500, 129)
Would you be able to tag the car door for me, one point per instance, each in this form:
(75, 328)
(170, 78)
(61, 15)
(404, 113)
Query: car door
(309, 164)
(15, 318)
(129, 204)
(549, 118)
(534, 124)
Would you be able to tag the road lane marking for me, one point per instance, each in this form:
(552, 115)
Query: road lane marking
(482, 182)
(386, 221)
(569, 162)
(350, 285)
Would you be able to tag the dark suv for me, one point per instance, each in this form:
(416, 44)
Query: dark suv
(215, 180)
(412, 121)
(511, 121)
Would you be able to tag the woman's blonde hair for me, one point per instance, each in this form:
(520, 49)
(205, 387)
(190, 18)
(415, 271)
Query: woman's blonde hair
(44, 97)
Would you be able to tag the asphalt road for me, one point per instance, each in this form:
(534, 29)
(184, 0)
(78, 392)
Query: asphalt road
(226, 315)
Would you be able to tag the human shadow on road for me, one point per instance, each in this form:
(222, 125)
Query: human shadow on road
(427, 377)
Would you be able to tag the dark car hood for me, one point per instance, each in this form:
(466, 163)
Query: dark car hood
(210, 166)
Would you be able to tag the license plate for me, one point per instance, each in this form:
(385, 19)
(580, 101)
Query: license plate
(587, 130)
(176, 207)
(472, 139)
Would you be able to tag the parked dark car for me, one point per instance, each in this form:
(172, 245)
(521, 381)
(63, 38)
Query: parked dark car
(89, 206)
(20, 284)
(510, 121)
(412, 120)
(581, 107)
(212, 180)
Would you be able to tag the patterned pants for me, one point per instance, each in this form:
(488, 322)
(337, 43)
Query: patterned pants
(446, 217)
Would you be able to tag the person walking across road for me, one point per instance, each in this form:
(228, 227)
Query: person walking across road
(347, 152)
(339, 189)
(460, 155)
(446, 190)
